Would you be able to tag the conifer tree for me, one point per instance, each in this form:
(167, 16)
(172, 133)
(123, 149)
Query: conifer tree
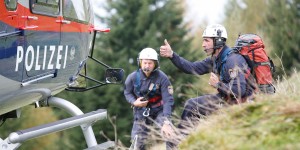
(282, 25)
(241, 17)
(136, 25)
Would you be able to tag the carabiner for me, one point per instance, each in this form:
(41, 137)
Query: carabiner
(146, 112)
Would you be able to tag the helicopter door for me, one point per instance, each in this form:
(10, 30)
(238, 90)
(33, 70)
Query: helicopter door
(42, 52)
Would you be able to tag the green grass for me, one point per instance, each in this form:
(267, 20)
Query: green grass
(272, 122)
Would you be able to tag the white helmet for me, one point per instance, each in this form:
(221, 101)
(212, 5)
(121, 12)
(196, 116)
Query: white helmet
(148, 53)
(215, 30)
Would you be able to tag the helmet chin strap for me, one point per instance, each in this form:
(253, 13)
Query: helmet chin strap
(212, 54)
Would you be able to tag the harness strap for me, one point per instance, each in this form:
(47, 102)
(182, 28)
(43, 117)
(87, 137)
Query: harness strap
(153, 101)
(160, 103)
(137, 82)
(152, 87)
(221, 66)
(267, 63)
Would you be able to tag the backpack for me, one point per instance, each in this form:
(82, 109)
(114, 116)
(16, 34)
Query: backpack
(251, 47)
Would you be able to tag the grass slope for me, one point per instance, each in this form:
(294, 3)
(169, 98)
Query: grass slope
(271, 122)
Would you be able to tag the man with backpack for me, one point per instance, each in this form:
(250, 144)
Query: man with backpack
(228, 77)
(150, 93)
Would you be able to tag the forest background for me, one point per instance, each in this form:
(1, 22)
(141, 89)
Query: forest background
(139, 24)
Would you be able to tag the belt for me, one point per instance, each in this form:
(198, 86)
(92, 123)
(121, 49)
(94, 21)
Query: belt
(160, 103)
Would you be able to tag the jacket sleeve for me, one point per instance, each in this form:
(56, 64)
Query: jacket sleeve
(167, 96)
(197, 67)
(234, 82)
(129, 88)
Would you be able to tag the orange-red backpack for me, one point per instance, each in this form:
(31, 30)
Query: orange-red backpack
(251, 47)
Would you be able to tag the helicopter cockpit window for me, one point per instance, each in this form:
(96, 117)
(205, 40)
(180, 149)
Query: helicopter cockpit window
(11, 4)
(76, 10)
(46, 7)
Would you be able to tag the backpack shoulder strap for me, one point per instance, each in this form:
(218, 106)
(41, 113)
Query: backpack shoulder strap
(224, 57)
(137, 83)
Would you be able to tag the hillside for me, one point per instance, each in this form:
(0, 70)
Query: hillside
(271, 122)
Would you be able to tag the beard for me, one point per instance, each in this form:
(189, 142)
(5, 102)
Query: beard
(148, 70)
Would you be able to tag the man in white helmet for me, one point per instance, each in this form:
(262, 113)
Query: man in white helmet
(227, 74)
(150, 93)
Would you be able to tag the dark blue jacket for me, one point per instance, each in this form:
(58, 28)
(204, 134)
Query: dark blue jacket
(232, 81)
(163, 88)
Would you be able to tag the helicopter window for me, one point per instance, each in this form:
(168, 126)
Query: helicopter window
(47, 7)
(11, 4)
(76, 10)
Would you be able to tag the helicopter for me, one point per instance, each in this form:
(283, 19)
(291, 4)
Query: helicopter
(44, 49)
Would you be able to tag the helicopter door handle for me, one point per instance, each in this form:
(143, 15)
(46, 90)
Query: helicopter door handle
(63, 21)
(30, 17)
(28, 27)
